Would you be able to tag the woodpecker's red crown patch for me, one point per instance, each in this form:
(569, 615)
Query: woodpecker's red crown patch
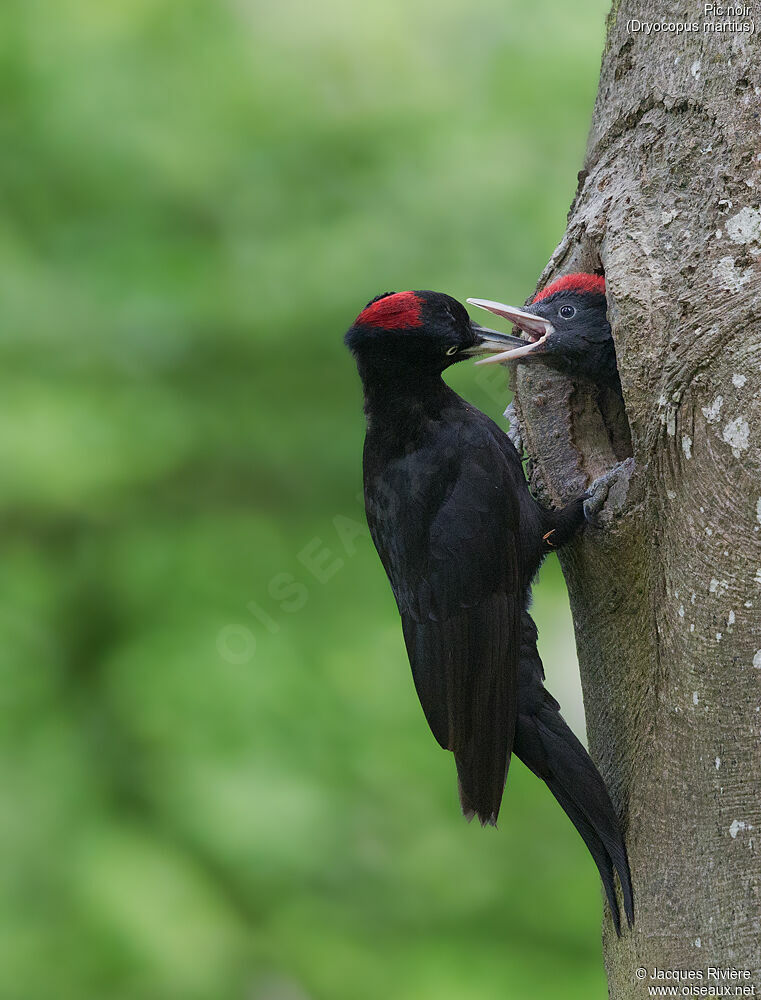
(592, 284)
(394, 312)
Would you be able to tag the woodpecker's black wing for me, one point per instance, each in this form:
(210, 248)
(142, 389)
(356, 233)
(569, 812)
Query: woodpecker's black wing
(445, 517)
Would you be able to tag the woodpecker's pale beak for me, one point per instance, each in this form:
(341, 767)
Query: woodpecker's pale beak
(490, 341)
(537, 328)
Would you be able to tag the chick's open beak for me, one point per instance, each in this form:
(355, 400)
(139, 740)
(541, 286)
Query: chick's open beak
(536, 327)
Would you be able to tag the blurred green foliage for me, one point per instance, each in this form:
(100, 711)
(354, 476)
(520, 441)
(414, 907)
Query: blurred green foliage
(217, 781)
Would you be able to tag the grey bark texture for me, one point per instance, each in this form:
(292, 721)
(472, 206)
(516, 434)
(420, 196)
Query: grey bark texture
(666, 594)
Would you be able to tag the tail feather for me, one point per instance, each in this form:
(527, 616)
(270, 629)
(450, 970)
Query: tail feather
(546, 744)
(579, 774)
(480, 783)
(599, 854)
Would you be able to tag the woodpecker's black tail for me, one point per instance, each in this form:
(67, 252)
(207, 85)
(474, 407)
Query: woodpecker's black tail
(547, 746)
(480, 785)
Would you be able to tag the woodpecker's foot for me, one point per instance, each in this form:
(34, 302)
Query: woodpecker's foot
(514, 430)
(607, 494)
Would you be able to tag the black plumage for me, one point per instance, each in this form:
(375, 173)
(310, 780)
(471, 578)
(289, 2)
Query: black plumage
(461, 539)
(546, 745)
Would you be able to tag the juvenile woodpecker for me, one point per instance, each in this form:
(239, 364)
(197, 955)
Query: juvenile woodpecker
(461, 539)
(567, 328)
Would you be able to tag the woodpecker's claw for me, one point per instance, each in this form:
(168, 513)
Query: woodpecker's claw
(613, 485)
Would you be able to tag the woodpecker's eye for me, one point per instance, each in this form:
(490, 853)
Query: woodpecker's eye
(452, 350)
(567, 312)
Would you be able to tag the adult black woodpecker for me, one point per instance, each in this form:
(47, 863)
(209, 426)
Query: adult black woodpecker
(567, 328)
(461, 539)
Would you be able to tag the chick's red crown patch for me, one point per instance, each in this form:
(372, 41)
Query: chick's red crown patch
(592, 284)
(394, 312)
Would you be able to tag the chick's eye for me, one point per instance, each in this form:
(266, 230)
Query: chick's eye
(452, 350)
(567, 312)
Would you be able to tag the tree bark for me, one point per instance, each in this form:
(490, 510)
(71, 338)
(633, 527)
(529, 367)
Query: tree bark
(666, 595)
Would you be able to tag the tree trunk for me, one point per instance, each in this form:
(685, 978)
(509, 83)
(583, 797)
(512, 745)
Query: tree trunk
(666, 596)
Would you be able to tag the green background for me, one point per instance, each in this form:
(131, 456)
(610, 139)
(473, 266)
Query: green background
(217, 780)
